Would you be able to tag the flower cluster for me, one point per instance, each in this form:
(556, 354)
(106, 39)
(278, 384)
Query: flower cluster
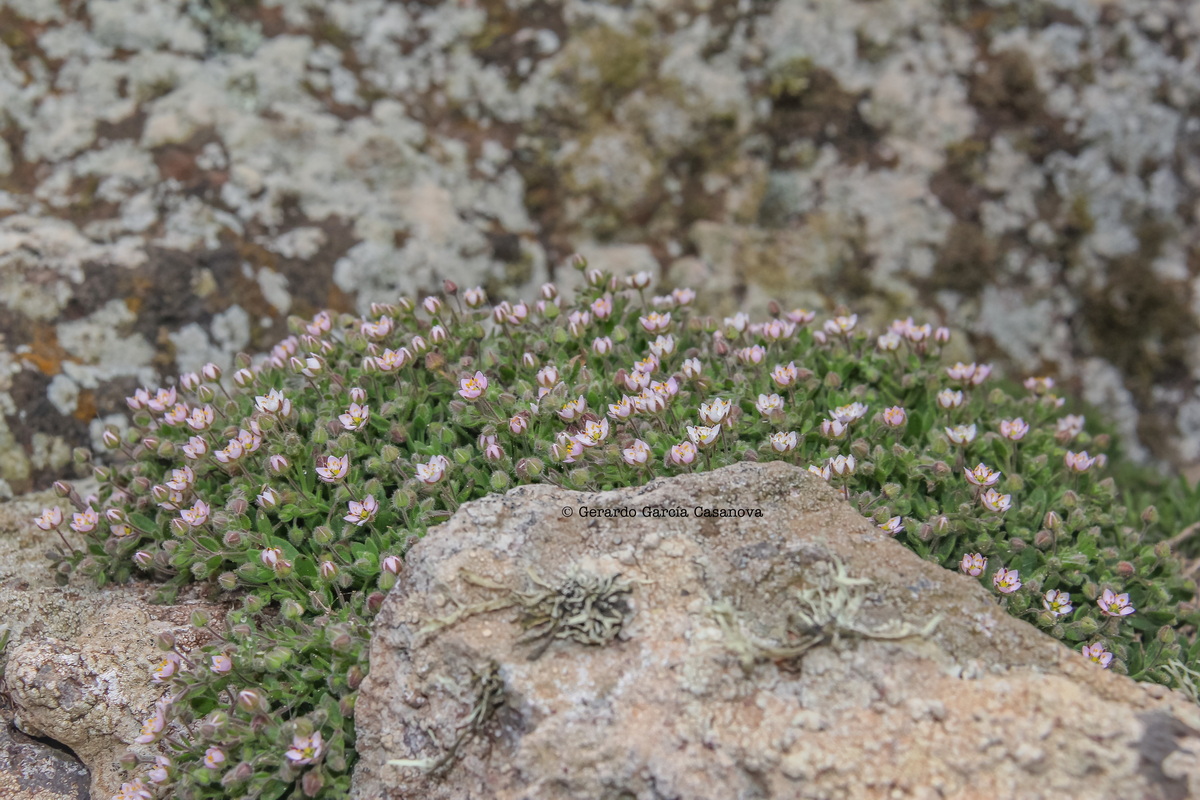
(298, 483)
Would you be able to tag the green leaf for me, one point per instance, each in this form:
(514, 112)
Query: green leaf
(1086, 544)
(262, 523)
(142, 523)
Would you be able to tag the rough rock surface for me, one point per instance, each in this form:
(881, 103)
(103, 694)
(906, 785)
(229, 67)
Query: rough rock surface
(170, 190)
(79, 660)
(981, 706)
(31, 770)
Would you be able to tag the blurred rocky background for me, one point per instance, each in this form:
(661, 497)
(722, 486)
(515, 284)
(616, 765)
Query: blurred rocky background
(178, 176)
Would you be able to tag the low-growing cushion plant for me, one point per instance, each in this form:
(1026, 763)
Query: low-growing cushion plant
(298, 483)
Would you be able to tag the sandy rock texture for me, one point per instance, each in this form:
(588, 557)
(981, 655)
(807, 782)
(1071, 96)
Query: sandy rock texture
(31, 770)
(171, 190)
(78, 665)
(695, 675)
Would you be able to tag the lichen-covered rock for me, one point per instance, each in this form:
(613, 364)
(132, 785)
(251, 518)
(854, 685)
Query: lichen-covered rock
(621, 653)
(170, 190)
(78, 664)
(30, 770)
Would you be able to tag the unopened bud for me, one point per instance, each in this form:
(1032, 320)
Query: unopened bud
(199, 619)
(313, 782)
(227, 581)
(1070, 499)
(941, 469)
(1043, 539)
(165, 641)
(354, 676)
(1166, 634)
(62, 489)
(1052, 521)
(374, 602)
(1162, 550)
(1087, 626)
(1150, 515)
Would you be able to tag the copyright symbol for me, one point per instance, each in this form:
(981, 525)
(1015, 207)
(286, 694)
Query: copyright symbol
(567, 511)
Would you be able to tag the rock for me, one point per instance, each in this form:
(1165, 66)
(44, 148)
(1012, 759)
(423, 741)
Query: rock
(692, 673)
(79, 660)
(30, 770)
(171, 190)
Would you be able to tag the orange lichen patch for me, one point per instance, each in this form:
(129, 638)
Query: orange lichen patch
(44, 353)
(85, 406)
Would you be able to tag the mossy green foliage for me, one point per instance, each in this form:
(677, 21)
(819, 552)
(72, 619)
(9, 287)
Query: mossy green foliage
(356, 435)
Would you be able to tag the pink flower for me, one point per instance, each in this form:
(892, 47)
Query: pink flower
(996, 502)
(273, 402)
(162, 400)
(249, 441)
(637, 380)
(833, 429)
(376, 330)
(981, 475)
(1097, 653)
(692, 368)
(177, 414)
(268, 497)
(305, 749)
(784, 376)
(391, 564)
(663, 346)
(214, 757)
(195, 448)
(602, 345)
(961, 434)
(278, 464)
(475, 297)
(895, 417)
(639, 280)
(715, 411)
(949, 398)
(518, 424)
(572, 409)
(888, 342)
(166, 668)
(849, 413)
(593, 433)
(358, 394)
(221, 664)
(1078, 462)
(1014, 429)
(1069, 427)
(1039, 386)
(777, 330)
(431, 472)
(231, 452)
(1057, 603)
(1114, 605)
(683, 453)
(161, 772)
(683, 296)
(432, 305)
(752, 355)
(655, 322)
(783, 442)
(355, 417)
(602, 307)
(273, 558)
(769, 405)
(973, 564)
(332, 469)
(85, 521)
(390, 360)
(636, 454)
(842, 325)
(649, 402)
(547, 376)
(1006, 580)
(820, 472)
(622, 409)
(49, 519)
(703, 435)
(362, 512)
(893, 526)
(842, 465)
(801, 316)
(472, 388)
(201, 418)
(197, 515)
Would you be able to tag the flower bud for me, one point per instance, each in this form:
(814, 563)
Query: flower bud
(102, 474)
(354, 676)
(1017, 545)
(1166, 634)
(1162, 550)
(329, 570)
(1070, 499)
(277, 658)
(375, 602)
(346, 705)
(227, 580)
(232, 538)
(251, 700)
(339, 638)
(402, 499)
(1125, 569)
(1052, 521)
(165, 641)
(291, 610)
(62, 489)
(312, 782)
(941, 469)
(199, 619)
(1043, 539)
(1088, 626)
(1150, 515)
(500, 481)
(1090, 590)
